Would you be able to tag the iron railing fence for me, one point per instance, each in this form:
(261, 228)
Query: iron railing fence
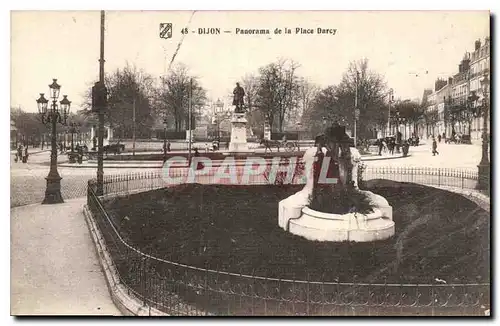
(133, 182)
(179, 289)
(28, 189)
(457, 178)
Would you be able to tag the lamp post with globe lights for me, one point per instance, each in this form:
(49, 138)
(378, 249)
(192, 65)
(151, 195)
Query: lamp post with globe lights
(53, 115)
(484, 165)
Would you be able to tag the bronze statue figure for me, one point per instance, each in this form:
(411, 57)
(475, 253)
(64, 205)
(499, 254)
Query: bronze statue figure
(239, 94)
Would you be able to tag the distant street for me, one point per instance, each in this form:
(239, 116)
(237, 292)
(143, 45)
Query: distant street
(28, 180)
(450, 156)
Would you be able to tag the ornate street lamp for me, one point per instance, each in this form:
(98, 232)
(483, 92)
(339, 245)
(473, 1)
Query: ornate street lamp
(484, 166)
(53, 115)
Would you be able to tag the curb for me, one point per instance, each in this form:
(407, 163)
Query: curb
(480, 199)
(381, 158)
(127, 304)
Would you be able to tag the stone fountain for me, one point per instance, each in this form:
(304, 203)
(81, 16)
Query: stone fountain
(297, 217)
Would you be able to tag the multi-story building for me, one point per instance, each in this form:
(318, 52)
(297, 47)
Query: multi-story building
(426, 102)
(457, 93)
(442, 97)
(459, 97)
(429, 111)
(435, 108)
(479, 65)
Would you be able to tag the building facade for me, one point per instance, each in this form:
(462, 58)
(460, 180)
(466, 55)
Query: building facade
(455, 105)
(479, 65)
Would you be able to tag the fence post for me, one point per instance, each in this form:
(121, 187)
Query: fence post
(143, 279)
(462, 178)
(253, 292)
(439, 176)
(307, 295)
(433, 299)
(206, 290)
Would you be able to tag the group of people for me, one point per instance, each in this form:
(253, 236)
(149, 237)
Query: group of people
(22, 154)
(389, 144)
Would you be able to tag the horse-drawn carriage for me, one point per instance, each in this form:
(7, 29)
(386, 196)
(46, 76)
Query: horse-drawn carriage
(459, 139)
(289, 146)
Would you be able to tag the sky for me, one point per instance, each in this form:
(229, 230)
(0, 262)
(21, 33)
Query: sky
(411, 49)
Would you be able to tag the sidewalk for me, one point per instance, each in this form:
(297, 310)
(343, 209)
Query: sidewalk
(54, 265)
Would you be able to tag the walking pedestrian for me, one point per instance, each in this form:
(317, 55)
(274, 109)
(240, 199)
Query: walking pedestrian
(380, 146)
(434, 147)
(25, 154)
(19, 152)
(439, 138)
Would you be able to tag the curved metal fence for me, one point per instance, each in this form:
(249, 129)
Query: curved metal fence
(178, 289)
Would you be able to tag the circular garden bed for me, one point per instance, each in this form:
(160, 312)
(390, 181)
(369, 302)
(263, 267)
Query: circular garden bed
(439, 235)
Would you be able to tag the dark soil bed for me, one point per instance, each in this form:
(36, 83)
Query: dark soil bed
(439, 234)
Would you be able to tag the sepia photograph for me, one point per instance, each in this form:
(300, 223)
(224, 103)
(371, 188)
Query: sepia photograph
(250, 163)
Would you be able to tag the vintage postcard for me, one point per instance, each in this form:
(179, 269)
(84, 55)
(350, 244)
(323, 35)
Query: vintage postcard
(250, 163)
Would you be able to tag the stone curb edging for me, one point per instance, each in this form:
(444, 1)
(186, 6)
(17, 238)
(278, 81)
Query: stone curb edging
(480, 199)
(127, 304)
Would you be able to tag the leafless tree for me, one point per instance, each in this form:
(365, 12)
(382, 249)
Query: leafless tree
(278, 90)
(129, 89)
(307, 92)
(371, 90)
(172, 96)
(250, 84)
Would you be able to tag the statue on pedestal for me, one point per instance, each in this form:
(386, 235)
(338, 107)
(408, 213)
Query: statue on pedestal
(239, 94)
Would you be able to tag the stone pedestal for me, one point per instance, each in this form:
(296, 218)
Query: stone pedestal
(238, 133)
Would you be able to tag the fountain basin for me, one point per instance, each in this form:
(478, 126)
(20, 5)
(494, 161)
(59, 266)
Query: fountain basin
(297, 218)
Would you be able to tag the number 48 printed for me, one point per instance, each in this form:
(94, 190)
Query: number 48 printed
(184, 30)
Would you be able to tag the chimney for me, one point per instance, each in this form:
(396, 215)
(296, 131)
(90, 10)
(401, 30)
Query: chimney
(465, 62)
(440, 83)
(450, 80)
(477, 45)
(460, 68)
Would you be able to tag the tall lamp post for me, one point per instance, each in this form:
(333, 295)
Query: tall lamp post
(484, 166)
(219, 111)
(165, 121)
(53, 115)
(391, 99)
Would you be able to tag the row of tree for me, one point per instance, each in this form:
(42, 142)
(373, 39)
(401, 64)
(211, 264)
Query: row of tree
(30, 127)
(137, 101)
(276, 93)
